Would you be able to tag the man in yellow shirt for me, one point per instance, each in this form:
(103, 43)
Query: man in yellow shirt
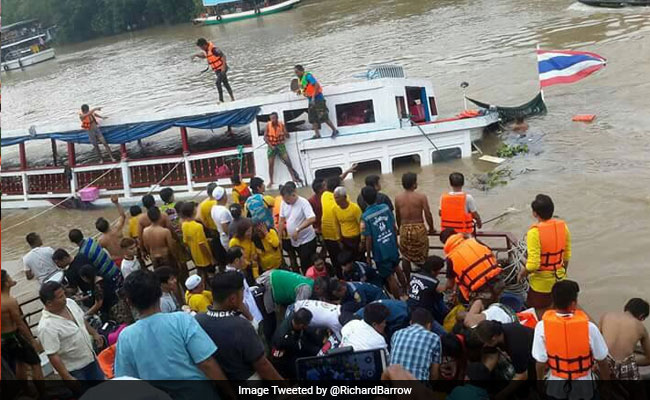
(206, 207)
(549, 251)
(195, 239)
(135, 212)
(348, 218)
(196, 297)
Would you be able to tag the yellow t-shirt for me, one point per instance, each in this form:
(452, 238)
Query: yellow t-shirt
(250, 253)
(193, 237)
(204, 212)
(271, 256)
(199, 302)
(329, 226)
(349, 220)
(235, 192)
(543, 281)
(133, 227)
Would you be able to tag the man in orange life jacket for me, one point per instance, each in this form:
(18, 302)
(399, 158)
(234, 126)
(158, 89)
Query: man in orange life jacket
(567, 343)
(275, 135)
(457, 208)
(317, 111)
(217, 61)
(88, 119)
(549, 250)
(470, 265)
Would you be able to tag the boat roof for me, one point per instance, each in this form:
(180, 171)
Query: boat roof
(18, 24)
(131, 127)
(210, 3)
(29, 39)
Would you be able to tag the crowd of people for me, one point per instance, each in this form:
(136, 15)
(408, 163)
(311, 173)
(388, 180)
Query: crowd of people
(183, 291)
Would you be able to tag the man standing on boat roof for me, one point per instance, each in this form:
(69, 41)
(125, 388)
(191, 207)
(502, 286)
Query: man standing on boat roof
(89, 123)
(317, 111)
(217, 61)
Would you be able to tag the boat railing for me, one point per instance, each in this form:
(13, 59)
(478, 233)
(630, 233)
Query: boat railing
(128, 177)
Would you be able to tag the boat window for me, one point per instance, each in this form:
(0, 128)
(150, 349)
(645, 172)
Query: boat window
(261, 123)
(416, 99)
(357, 113)
(401, 107)
(432, 106)
(296, 120)
(328, 172)
(447, 154)
(406, 162)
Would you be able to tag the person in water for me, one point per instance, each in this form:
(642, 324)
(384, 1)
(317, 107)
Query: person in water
(217, 61)
(89, 123)
(317, 110)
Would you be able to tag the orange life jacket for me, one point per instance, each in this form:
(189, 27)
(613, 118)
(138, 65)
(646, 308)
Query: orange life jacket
(453, 214)
(106, 361)
(243, 191)
(567, 344)
(474, 264)
(87, 121)
(308, 89)
(275, 134)
(528, 318)
(552, 236)
(216, 62)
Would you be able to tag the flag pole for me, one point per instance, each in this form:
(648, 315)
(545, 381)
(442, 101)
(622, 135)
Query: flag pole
(541, 90)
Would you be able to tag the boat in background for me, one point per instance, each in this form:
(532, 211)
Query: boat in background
(223, 11)
(616, 3)
(26, 43)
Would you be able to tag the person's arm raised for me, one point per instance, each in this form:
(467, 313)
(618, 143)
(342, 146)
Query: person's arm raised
(120, 210)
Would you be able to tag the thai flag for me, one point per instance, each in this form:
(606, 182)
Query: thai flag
(563, 66)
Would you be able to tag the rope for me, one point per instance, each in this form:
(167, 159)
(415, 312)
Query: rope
(59, 203)
(165, 177)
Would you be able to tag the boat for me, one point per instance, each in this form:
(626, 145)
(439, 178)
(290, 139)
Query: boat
(25, 43)
(223, 11)
(383, 119)
(615, 3)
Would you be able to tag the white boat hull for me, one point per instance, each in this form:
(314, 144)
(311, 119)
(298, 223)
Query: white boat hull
(222, 19)
(31, 59)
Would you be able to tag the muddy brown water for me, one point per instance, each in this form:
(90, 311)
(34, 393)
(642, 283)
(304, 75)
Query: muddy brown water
(598, 174)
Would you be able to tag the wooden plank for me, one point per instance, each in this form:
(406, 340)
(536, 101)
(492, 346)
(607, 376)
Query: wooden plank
(492, 159)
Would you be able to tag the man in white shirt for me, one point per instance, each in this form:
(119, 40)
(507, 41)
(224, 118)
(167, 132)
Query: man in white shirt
(38, 262)
(66, 337)
(324, 315)
(235, 260)
(367, 334)
(221, 215)
(572, 333)
(299, 217)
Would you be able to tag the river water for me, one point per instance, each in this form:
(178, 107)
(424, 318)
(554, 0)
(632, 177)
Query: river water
(597, 173)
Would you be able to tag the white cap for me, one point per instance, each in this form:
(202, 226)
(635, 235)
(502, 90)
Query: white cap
(218, 193)
(192, 282)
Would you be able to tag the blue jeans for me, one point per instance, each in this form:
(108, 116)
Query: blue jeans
(90, 372)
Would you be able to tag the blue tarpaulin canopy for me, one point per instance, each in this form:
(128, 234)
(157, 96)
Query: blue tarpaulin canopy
(132, 131)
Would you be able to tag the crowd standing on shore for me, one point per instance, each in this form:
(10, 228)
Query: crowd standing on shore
(356, 274)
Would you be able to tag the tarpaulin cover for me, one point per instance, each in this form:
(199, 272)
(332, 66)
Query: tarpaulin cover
(129, 132)
(534, 107)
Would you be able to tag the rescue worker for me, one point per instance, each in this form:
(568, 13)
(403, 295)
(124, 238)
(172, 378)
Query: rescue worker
(275, 135)
(89, 123)
(217, 61)
(549, 250)
(457, 208)
(567, 343)
(470, 264)
(317, 111)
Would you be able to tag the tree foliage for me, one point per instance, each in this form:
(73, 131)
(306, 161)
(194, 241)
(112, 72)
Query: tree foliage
(79, 20)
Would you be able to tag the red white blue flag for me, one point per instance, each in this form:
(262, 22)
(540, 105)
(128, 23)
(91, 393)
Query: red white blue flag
(563, 66)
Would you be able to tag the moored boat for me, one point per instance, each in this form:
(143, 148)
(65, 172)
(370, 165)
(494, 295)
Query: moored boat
(25, 43)
(223, 11)
(615, 3)
(380, 121)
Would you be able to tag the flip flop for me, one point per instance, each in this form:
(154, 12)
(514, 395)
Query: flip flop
(316, 137)
(335, 133)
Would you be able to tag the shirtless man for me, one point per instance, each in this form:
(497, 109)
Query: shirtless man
(18, 344)
(148, 202)
(111, 236)
(622, 331)
(411, 209)
(158, 241)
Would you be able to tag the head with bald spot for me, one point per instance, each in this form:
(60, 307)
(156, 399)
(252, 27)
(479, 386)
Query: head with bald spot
(341, 197)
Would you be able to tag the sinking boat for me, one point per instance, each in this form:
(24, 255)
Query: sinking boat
(223, 11)
(616, 3)
(382, 119)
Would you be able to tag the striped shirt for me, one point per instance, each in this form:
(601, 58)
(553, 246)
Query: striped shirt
(101, 260)
(415, 349)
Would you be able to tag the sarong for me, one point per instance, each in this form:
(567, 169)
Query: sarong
(414, 242)
(626, 370)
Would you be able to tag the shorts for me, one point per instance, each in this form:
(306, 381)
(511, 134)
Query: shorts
(386, 268)
(317, 112)
(626, 370)
(16, 348)
(95, 136)
(538, 299)
(280, 150)
(414, 242)
(165, 261)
